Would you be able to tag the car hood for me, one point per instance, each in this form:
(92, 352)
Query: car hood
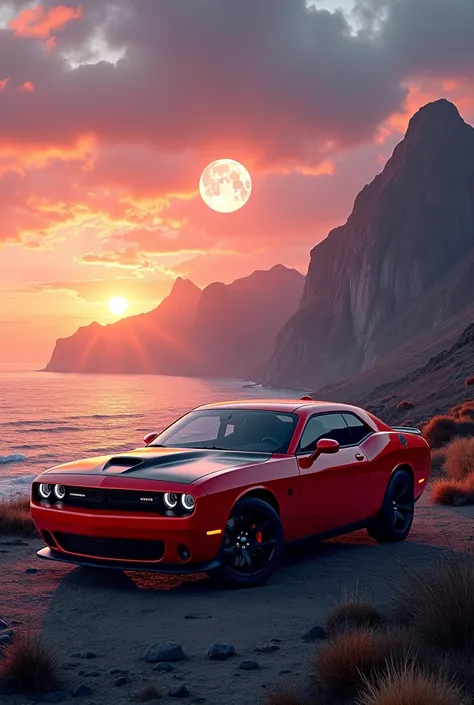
(181, 465)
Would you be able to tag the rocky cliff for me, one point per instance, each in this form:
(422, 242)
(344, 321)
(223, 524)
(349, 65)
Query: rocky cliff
(222, 331)
(402, 265)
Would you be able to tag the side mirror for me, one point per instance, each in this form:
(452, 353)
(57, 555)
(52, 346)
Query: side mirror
(149, 438)
(324, 445)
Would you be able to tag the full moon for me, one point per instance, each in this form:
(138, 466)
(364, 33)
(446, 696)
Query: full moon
(225, 185)
(117, 305)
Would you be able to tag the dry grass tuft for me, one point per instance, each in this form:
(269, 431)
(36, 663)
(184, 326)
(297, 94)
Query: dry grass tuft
(353, 612)
(406, 405)
(407, 684)
(28, 666)
(459, 462)
(284, 695)
(441, 430)
(344, 661)
(15, 517)
(438, 603)
(449, 493)
(149, 692)
(469, 381)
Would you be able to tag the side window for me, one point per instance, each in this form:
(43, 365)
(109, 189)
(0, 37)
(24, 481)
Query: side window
(324, 426)
(359, 430)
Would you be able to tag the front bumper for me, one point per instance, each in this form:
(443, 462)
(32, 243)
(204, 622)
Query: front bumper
(183, 569)
(133, 541)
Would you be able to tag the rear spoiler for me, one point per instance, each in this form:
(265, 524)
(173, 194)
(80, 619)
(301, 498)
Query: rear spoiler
(406, 429)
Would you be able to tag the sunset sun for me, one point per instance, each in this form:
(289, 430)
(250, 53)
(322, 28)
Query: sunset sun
(117, 305)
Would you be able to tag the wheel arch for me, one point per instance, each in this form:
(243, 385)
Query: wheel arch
(260, 493)
(406, 467)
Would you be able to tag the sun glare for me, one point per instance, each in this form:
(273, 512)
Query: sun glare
(117, 305)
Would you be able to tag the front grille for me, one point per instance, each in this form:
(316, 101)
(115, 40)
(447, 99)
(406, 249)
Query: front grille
(126, 500)
(118, 549)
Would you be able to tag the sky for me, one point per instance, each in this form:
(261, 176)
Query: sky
(111, 109)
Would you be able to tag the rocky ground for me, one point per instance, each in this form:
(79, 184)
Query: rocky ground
(111, 631)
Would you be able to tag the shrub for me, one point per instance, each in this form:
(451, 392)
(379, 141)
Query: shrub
(149, 692)
(28, 667)
(438, 603)
(443, 429)
(406, 405)
(469, 381)
(285, 695)
(459, 462)
(437, 462)
(344, 661)
(463, 411)
(407, 684)
(15, 516)
(353, 612)
(446, 492)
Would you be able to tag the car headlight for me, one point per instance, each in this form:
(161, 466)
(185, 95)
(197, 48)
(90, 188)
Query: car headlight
(188, 502)
(170, 500)
(45, 491)
(60, 491)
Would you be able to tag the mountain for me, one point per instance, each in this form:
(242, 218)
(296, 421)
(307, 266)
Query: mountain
(148, 343)
(236, 325)
(400, 273)
(222, 331)
(431, 389)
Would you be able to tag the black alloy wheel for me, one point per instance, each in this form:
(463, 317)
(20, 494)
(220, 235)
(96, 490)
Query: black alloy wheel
(252, 545)
(396, 516)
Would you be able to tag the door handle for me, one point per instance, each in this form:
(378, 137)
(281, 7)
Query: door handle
(359, 456)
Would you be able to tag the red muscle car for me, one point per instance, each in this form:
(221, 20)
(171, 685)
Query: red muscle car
(227, 485)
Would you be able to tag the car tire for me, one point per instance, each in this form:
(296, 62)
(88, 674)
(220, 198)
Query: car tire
(395, 518)
(252, 545)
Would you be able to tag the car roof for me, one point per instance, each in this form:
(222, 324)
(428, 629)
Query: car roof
(288, 405)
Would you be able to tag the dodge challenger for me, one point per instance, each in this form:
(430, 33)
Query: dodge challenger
(225, 487)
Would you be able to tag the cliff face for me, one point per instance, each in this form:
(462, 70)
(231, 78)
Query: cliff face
(402, 264)
(222, 331)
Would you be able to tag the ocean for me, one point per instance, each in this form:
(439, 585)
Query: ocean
(49, 418)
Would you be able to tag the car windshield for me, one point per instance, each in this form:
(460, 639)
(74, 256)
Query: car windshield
(231, 429)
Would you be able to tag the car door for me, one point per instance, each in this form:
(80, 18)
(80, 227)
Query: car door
(333, 490)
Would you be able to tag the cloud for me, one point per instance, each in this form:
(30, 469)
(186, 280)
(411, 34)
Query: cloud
(39, 22)
(100, 290)
(116, 146)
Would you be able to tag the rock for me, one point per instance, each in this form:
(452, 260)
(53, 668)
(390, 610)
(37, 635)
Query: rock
(118, 672)
(163, 667)
(179, 691)
(92, 674)
(31, 571)
(3, 625)
(57, 697)
(316, 632)
(221, 652)
(85, 654)
(164, 651)
(121, 681)
(16, 623)
(267, 649)
(248, 666)
(81, 691)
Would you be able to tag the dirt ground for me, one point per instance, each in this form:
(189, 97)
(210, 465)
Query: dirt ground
(117, 616)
